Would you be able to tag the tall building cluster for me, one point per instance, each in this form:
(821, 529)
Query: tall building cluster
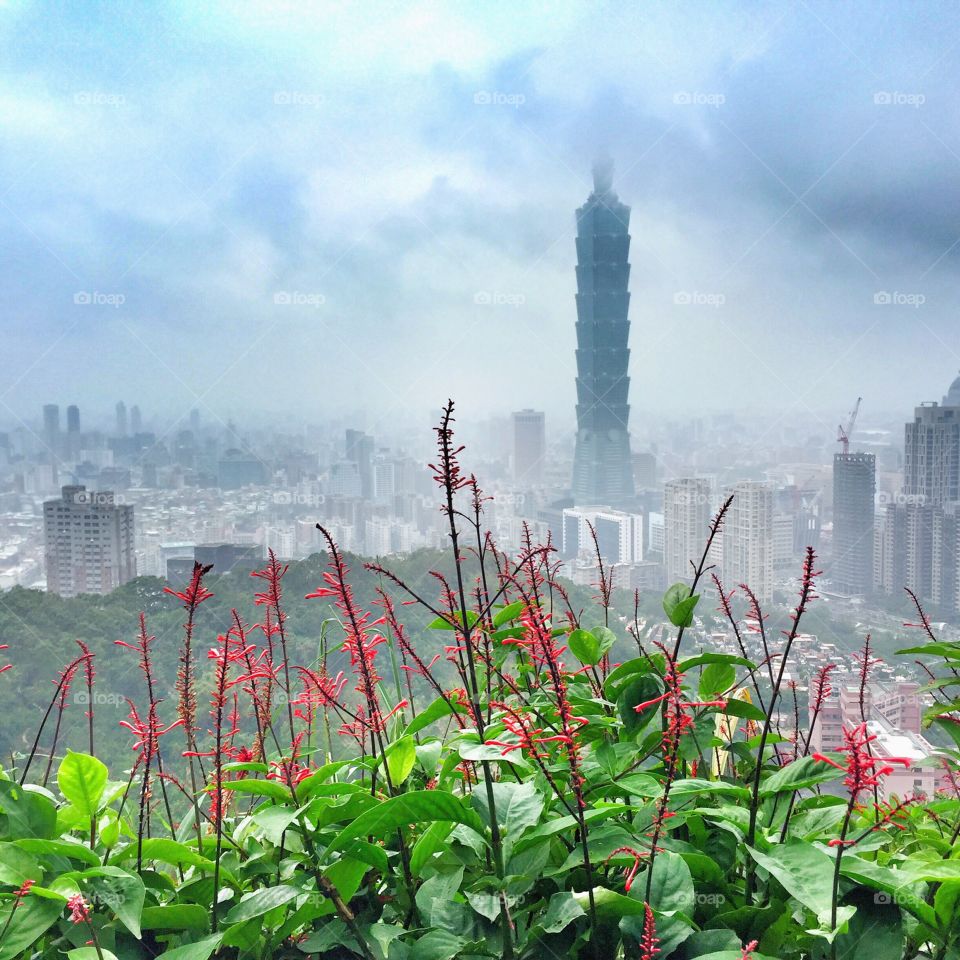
(917, 537)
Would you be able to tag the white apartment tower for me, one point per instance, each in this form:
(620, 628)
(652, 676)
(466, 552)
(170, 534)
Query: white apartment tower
(89, 542)
(747, 535)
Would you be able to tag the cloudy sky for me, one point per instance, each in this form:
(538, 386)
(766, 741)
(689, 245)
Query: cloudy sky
(319, 207)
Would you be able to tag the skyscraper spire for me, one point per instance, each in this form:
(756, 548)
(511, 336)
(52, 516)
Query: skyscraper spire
(602, 471)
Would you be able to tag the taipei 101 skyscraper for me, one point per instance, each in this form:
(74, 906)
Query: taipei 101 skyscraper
(602, 469)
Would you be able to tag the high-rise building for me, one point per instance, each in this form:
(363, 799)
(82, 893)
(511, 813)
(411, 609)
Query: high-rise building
(619, 534)
(359, 448)
(88, 541)
(747, 536)
(73, 432)
(136, 420)
(529, 446)
(121, 419)
(51, 430)
(920, 537)
(854, 486)
(686, 521)
(602, 470)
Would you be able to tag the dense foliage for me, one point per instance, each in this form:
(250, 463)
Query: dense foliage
(507, 791)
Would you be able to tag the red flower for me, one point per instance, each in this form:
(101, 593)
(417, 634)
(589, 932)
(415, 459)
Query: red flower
(631, 871)
(649, 938)
(195, 592)
(862, 768)
(79, 909)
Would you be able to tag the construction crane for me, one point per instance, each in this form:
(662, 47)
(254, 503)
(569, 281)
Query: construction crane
(844, 433)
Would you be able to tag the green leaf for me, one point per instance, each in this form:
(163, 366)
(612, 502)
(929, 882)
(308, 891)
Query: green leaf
(606, 638)
(90, 953)
(802, 773)
(562, 910)
(264, 788)
(82, 780)
(437, 710)
(119, 891)
(201, 950)
(640, 690)
(803, 871)
(585, 647)
(71, 849)
(418, 806)
(165, 851)
(401, 756)
(510, 612)
(684, 666)
(716, 679)
(260, 902)
(518, 805)
(16, 865)
(176, 916)
(28, 814)
(430, 842)
(678, 605)
(438, 945)
(610, 903)
(30, 921)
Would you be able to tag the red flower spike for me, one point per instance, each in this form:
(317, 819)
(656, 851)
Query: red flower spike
(649, 938)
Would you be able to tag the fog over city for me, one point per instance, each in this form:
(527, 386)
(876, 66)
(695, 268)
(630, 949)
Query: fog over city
(280, 212)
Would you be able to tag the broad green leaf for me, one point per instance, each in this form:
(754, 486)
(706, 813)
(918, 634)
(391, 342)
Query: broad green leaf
(702, 658)
(16, 865)
(800, 774)
(585, 647)
(90, 953)
(438, 945)
(27, 814)
(430, 842)
(176, 916)
(510, 612)
(803, 871)
(642, 689)
(437, 710)
(418, 806)
(716, 680)
(165, 851)
(672, 888)
(606, 638)
(82, 779)
(609, 903)
(678, 605)
(401, 756)
(30, 921)
(562, 910)
(263, 788)
(72, 849)
(518, 806)
(201, 950)
(121, 892)
(261, 901)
